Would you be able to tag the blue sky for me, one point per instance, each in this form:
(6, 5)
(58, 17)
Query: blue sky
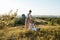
(38, 7)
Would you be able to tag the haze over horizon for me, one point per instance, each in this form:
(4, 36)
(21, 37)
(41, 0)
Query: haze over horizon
(38, 7)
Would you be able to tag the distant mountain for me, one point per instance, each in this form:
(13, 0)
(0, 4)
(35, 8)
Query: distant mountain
(55, 16)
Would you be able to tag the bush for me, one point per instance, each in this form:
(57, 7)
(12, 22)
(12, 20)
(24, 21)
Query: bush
(21, 21)
(58, 21)
(7, 20)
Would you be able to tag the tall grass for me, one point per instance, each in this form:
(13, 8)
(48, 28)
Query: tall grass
(46, 32)
(49, 33)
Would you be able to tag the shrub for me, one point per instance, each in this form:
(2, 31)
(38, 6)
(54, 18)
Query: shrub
(7, 20)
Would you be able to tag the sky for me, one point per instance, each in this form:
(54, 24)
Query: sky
(38, 7)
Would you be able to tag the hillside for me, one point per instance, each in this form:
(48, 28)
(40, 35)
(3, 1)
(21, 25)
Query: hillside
(20, 33)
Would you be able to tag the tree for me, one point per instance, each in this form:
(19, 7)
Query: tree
(23, 19)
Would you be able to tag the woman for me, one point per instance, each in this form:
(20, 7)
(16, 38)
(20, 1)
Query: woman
(28, 19)
(29, 23)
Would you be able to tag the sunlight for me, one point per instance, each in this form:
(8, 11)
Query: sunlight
(6, 6)
(39, 7)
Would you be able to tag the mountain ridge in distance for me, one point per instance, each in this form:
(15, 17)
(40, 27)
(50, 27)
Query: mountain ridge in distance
(55, 16)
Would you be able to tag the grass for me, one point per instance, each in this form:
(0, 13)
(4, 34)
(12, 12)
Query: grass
(46, 32)
(20, 33)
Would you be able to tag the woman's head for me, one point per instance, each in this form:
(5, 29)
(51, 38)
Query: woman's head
(30, 11)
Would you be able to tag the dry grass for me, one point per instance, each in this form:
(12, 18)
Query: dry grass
(19, 33)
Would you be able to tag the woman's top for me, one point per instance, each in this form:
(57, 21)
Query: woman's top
(29, 16)
(28, 20)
